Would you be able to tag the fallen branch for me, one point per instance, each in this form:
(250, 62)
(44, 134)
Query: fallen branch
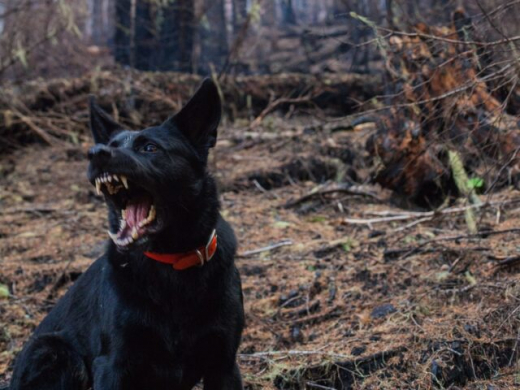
(508, 262)
(265, 248)
(267, 354)
(343, 188)
(273, 105)
(425, 216)
(481, 234)
(315, 318)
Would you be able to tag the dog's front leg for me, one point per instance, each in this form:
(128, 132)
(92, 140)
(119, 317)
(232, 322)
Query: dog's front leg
(223, 379)
(106, 376)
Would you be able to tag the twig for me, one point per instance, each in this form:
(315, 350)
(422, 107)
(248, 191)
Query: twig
(263, 190)
(449, 40)
(265, 248)
(412, 224)
(424, 215)
(459, 237)
(275, 104)
(343, 188)
(267, 354)
(317, 386)
(331, 313)
(507, 262)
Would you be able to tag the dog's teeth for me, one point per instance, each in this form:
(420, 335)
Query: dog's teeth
(122, 224)
(135, 234)
(98, 187)
(151, 214)
(125, 181)
(113, 236)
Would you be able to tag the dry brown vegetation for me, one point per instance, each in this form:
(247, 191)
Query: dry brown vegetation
(377, 213)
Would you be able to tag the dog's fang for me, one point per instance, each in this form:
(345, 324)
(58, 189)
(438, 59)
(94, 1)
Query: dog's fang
(98, 187)
(135, 234)
(151, 214)
(113, 236)
(125, 181)
(122, 224)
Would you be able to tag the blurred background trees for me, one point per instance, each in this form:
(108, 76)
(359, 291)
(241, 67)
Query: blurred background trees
(67, 37)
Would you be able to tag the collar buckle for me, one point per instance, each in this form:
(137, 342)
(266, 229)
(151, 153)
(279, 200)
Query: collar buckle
(208, 245)
(207, 256)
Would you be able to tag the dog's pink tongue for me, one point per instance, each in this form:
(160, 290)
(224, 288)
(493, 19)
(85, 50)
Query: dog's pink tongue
(136, 211)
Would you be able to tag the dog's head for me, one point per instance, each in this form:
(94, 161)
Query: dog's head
(149, 176)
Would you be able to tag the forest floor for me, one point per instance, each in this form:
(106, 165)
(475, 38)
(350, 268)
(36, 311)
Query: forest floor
(331, 302)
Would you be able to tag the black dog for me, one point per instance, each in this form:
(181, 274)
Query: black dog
(162, 308)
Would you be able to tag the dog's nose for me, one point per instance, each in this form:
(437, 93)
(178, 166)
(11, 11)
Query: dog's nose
(100, 152)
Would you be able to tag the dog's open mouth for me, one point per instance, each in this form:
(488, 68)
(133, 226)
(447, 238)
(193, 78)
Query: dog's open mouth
(135, 205)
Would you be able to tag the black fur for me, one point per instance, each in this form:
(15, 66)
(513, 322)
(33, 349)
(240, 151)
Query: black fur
(130, 322)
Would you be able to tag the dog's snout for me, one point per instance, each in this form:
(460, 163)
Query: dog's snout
(100, 152)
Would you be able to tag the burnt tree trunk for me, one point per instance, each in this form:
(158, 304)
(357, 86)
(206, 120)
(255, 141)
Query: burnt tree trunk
(122, 33)
(239, 14)
(95, 22)
(134, 40)
(176, 36)
(150, 36)
(213, 37)
(288, 15)
(269, 13)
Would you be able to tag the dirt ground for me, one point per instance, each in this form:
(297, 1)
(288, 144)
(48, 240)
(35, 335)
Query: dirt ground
(331, 301)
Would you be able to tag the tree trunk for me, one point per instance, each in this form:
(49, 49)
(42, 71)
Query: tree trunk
(269, 13)
(150, 36)
(96, 22)
(213, 36)
(122, 33)
(288, 15)
(145, 42)
(239, 14)
(177, 36)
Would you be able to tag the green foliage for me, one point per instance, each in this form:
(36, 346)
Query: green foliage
(21, 54)
(462, 182)
(476, 183)
(4, 291)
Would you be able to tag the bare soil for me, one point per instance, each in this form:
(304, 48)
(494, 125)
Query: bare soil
(380, 305)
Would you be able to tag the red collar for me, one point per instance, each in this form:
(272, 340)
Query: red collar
(182, 261)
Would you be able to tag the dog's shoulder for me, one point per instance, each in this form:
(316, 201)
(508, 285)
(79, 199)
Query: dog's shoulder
(80, 299)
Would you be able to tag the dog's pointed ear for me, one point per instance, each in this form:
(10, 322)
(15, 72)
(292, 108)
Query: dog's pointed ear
(199, 118)
(101, 124)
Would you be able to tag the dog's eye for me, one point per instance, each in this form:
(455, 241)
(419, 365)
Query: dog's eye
(149, 148)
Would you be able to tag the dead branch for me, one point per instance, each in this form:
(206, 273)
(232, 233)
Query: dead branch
(341, 188)
(272, 106)
(265, 248)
